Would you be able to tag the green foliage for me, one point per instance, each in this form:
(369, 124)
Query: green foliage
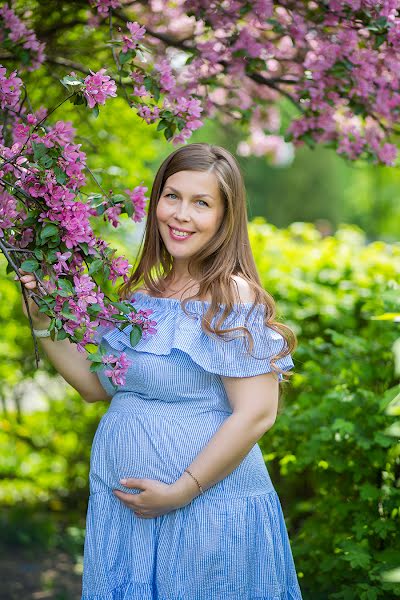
(44, 470)
(335, 468)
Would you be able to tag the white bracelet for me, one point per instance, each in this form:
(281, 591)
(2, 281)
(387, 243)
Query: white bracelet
(41, 333)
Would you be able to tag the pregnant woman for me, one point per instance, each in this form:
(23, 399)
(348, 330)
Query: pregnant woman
(181, 504)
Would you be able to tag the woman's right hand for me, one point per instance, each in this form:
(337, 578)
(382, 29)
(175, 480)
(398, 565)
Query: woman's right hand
(39, 319)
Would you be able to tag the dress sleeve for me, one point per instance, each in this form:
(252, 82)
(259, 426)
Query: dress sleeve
(233, 358)
(228, 358)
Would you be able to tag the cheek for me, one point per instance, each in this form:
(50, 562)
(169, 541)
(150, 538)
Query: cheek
(162, 212)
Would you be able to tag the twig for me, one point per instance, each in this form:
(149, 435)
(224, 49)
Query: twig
(35, 344)
(16, 269)
(118, 65)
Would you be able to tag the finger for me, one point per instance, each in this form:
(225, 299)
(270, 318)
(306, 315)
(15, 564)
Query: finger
(128, 499)
(132, 482)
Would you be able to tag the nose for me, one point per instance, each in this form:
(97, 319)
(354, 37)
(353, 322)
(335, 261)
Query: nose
(182, 212)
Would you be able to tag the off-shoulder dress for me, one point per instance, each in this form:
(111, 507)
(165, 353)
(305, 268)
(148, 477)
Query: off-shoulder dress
(230, 542)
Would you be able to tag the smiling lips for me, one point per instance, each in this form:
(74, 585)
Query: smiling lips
(179, 234)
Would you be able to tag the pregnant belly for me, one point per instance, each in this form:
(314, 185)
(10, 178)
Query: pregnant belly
(156, 447)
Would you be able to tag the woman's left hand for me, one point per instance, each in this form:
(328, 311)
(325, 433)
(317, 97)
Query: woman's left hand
(155, 499)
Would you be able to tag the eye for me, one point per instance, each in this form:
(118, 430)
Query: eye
(171, 194)
(205, 203)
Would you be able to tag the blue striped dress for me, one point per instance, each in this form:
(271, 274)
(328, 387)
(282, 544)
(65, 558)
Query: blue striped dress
(230, 542)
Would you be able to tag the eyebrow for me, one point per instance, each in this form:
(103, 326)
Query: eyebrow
(177, 192)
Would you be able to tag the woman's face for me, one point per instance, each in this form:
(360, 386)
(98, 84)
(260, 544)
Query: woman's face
(189, 212)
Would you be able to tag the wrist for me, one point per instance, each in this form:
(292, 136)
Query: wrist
(185, 489)
(41, 323)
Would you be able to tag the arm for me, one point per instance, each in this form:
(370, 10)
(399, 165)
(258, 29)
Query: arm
(71, 364)
(254, 401)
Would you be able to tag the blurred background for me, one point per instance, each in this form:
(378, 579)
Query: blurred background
(325, 235)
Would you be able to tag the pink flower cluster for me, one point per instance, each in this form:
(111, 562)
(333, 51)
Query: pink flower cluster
(331, 59)
(9, 89)
(98, 87)
(142, 318)
(12, 28)
(137, 195)
(119, 267)
(120, 365)
(104, 6)
(137, 33)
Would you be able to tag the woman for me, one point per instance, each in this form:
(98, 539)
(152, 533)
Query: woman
(181, 504)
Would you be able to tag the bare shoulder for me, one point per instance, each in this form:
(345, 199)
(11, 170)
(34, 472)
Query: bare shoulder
(242, 289)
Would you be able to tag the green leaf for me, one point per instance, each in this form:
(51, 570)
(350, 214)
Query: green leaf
(129, 209)
(38, 253)
(39, 150)
(135, 335)
(96, 357)
(117, 198)
(162, 125)
(95, 266)
(62, 335)
(65, 285)
(95, 367)
(69, 315)
(91, 348)
(71, 80)
(125, 56)
(31, 220)
(48, 231)
(122, 307)
(30, 265)
(106, 272)
(61, 177)
(51, 256)
(95, 111)
(94, 309)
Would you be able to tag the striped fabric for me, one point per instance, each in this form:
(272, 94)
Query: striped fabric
(228, 543)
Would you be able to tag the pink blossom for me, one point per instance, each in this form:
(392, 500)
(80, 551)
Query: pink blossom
(119, 267)
(148, 114)
(9, 89)
(167, 80)
(61, 267)
(118, 372)
(131, 42)
(112, 214)
(142, 318)
(104, 6)
(137, 195)
(21, 35)
(98, 88)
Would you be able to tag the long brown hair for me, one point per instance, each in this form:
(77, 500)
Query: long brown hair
(227, 254)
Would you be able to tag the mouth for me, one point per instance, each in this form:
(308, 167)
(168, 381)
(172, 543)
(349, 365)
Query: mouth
(179, 234)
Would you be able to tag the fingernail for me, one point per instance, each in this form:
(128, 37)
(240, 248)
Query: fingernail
(123, 481)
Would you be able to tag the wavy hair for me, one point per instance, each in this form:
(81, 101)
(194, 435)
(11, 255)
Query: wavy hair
(228, 253)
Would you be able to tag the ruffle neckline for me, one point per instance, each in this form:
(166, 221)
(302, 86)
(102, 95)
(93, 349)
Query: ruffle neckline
(177, 330)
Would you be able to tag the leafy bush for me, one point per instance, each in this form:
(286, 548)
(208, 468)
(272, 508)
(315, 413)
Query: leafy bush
(334, 467)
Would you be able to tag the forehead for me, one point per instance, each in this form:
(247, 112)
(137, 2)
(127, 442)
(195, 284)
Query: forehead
(194, 182)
